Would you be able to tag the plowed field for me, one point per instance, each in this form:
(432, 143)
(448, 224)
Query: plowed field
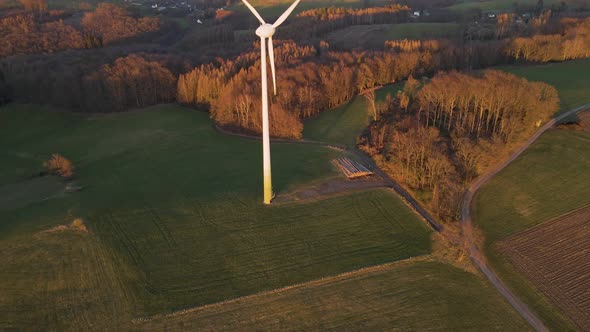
(555, 256)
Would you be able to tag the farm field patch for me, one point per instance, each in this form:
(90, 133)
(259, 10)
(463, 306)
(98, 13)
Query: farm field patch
(196, 253)
(374, 36)
(570, 78)
(523, 195)
(61, 281)
(410, 295)
(549, 179)
(554, 255)
(175, 208)
(496, 5)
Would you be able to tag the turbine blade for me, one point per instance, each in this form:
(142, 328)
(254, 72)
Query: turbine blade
(271, 54)
(253, 11)
(286, 14)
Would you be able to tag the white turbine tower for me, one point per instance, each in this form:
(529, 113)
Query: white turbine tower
(266, 31)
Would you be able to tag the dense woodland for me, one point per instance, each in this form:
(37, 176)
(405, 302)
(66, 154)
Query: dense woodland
(572, 41)
(113, 23)
(311, 78)
(46, 32)
(437, 136)
(24, 34)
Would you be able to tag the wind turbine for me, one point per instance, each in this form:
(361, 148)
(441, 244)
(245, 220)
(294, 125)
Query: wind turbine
(266, 31)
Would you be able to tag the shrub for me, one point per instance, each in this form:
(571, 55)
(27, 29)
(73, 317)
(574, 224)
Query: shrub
(59, 165)
(79, 225)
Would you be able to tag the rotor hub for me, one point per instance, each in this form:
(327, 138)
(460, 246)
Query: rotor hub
(265, 30)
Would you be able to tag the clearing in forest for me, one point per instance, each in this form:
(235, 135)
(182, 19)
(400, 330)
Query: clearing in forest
(344, 123)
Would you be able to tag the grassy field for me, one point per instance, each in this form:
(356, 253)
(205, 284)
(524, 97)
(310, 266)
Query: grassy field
(414, 296)
(175, 208)
(524, 194)
(343, 124)
(547, 180)
(61, 281)
(556, 163)
(374, 36)
(196, 253)
(571, 79)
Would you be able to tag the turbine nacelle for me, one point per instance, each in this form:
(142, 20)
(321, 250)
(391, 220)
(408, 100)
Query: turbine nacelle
(265, 31)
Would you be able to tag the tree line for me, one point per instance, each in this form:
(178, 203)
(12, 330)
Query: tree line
(572, 42)
(497, 104)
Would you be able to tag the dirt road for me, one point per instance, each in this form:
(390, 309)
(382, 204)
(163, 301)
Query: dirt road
(477, 257)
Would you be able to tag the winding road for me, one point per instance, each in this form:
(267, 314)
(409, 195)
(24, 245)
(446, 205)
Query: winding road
(476, 256)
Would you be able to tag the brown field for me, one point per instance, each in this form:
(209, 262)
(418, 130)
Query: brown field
(555, 256)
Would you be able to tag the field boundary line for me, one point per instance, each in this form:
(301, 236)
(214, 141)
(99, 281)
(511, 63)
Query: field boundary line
(304, 285)
(547, 222)
(476, 255)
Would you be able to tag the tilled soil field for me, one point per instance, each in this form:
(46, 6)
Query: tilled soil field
(555, 256)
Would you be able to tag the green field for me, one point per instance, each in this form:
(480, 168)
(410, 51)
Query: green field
(175, 209)
(409, 296)
(62, 281)
(547, 180)
(343, 124)
(571, 78)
